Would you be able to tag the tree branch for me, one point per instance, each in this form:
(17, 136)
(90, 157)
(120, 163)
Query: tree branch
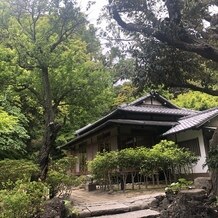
(203, 49)
(23, 87)
(187, 42)
(65, 34)
(173, 11)
(65, 94)
(130, 26)
(195, 88)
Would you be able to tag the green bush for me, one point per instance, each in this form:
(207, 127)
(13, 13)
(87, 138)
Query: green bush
(175, 187)
(13, 170)
(165, 157)
(59, 177)
(24, 200)
(60, 183)
(103, 166)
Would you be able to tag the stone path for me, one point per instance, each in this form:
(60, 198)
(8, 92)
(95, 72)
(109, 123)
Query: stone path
(116, 206)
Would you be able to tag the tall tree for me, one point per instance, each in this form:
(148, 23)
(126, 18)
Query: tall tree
(38, 31)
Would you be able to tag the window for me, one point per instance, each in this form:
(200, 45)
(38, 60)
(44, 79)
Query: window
(82, 157)
(104, 147)
(191, 145)
(103, 141)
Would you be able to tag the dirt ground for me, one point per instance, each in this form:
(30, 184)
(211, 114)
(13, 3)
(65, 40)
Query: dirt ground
(80, 196)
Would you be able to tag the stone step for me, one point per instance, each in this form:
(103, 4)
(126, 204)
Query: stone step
(138, 206)
(134, 214)
(117, 210)
(105, 209)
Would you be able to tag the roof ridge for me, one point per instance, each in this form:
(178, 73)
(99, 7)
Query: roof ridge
(154, 95)
(139, 99)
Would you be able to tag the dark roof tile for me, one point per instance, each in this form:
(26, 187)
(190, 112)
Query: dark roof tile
(193, 121)
(159, 110)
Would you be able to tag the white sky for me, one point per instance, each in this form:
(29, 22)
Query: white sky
(95, 9)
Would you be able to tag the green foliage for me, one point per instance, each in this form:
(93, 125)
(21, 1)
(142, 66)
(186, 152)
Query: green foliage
(175, 187)
(171, 155)
(125, 93)
(103, 164)
(24, 200)
(13, 131)
(92, 97)
(9, 71)
(124, 69)
(13, 170)
(21, 198)
(211, 160)
(51, 36)
(59, 177)
(173, 68)
(196, 100)
(165, 157)
(7, 122)
(130, 159)
(167, 48)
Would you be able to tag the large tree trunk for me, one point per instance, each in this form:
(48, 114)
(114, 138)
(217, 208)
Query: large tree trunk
(213, 155)
(51, 129)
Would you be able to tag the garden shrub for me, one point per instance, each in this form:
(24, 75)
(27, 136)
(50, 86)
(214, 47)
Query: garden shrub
(59, 178)
(25, 200)
(104, 166)
(165, 157)
(60, 183)
(22, 197)
(175, 187)
(13, 170)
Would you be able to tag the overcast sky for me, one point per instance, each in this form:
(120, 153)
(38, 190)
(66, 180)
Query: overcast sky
(94, 11)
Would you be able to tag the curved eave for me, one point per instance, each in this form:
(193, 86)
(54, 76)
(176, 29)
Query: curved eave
(193, 122)
(120, 121)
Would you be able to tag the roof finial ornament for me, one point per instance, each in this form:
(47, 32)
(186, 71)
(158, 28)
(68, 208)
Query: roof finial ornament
(153, 92)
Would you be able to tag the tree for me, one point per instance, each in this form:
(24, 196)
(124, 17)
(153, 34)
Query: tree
(196, 100)
(103, 166)
(161, 35)
(165, 156)
(159, 64)
(125, 93)
(182, 27)
(92, 98)
(39, 32)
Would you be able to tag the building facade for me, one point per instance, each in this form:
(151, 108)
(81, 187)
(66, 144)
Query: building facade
(145, 122)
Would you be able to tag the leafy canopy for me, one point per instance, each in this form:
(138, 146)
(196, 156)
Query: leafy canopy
(169, 40)
(13, 134)
(196, 100)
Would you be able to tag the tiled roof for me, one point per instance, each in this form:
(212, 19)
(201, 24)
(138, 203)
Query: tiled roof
(140, 99)
(193, 121)
(155, 109)
(158, 110)
(89, 126)
(190, 118)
